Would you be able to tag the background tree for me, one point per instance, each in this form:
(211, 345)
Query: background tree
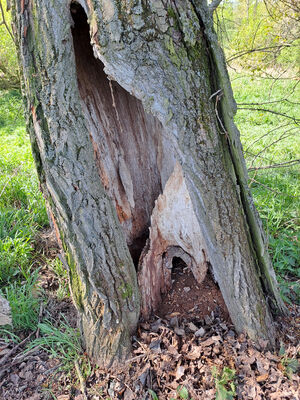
(124, 131)
(9, 71)
(260, 36)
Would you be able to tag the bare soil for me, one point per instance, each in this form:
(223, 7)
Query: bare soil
(190, 299)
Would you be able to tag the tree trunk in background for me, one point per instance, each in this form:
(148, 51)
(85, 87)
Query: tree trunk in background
(130, 113)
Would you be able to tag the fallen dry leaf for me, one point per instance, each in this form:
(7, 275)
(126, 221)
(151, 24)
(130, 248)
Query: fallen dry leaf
(262, 378)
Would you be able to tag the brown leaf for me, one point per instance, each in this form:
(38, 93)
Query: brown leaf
(179, 372)
(172, 350)
(262, 378)
(208, 342)
(194, 354)
(280, 367)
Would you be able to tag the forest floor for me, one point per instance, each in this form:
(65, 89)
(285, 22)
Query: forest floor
(190, 350)
(186, 353)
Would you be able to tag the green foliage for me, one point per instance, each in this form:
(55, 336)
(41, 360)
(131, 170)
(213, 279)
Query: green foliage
(18, 178)
(182, 393)
(259, 36)
(224, 382)
(16, 255)
(22, 213)
(153, 394)
(62, 274)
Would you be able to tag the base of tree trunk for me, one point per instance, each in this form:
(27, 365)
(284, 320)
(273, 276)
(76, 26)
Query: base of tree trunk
(131, 118)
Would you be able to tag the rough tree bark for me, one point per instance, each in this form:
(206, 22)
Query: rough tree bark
(130, 113)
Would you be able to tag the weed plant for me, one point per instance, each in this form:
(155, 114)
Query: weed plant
(224, 382)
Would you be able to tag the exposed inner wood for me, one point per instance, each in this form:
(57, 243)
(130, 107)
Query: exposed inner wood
(138, 169)
(129, 144)
(174, 232)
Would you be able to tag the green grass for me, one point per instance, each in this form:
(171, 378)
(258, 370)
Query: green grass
(62, 343)
(276, 191)
(24, 300)
(61, 273)
(22, 213)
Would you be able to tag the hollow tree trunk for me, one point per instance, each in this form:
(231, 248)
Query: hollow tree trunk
(130, 113)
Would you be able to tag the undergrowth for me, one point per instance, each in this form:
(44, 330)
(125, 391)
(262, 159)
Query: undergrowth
(62, 343)
(268, 140)
(22, 214)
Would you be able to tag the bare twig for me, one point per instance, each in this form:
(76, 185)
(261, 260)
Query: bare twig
(296, 120)
(218, 94)
(37, 334)
(269, 102)
(264, 135)
(282, 137)
(5, 23)
(17, 360)
(272, 190)
(278, 165)
(14, 349)
(261, 49)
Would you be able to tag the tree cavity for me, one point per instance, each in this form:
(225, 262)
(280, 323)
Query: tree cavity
(138, 169)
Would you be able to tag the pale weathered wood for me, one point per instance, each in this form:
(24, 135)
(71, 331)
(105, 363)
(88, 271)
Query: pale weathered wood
(122, 129)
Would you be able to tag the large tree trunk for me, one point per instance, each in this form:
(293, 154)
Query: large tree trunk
(130, 113)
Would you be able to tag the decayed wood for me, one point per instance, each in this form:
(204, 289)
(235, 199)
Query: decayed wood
(132, 153)
(118, 127)
(174, 232)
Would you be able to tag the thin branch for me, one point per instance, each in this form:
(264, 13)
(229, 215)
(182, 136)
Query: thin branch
(81, 380)
(272, 190)
(296, 120)
(266, 134)
(14, 349)
(5, 23)
(269, 102)
(258, 155)
(282, 137)
(266, 49)
(278, 165)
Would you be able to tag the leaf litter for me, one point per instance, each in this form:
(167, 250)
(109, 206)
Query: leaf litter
(182, 352)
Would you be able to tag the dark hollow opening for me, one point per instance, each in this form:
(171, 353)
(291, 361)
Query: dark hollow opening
(127, 141)
(178, 268)
(189, 299)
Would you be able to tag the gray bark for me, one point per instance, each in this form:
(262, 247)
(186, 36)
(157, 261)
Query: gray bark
(115, 147)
